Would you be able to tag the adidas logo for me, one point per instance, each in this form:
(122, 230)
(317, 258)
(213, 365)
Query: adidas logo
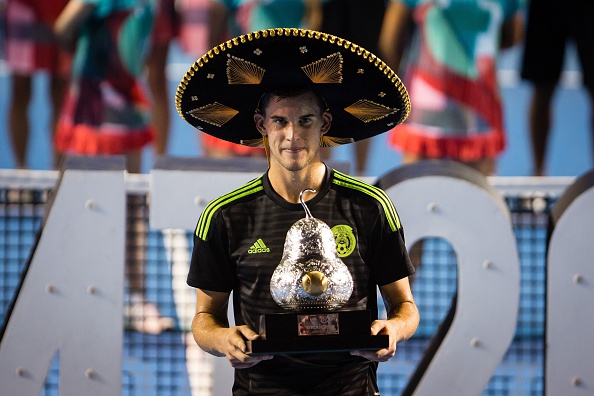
(258, 247)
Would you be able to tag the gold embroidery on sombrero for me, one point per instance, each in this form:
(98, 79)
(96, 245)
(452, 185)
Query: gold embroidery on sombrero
(240, 71)
(332, 141)
(214, 113)
(326, 70)
(257, 143)
(368, 111)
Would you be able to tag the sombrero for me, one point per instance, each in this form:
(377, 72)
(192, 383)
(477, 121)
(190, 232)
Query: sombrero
(220, 92)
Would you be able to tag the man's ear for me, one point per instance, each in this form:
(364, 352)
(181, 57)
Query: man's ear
(327, 119)
(259, 121)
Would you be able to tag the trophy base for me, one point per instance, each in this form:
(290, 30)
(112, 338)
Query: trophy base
(309, 332)
(315, 344)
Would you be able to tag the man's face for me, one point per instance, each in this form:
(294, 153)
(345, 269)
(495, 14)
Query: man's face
(293, 126)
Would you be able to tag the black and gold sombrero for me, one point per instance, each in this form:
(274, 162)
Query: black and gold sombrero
(220, 92)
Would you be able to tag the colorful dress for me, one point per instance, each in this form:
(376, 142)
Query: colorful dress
(106, 111)
(456, 110)
(30, 43)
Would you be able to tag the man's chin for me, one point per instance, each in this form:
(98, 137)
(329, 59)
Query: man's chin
(294, 165)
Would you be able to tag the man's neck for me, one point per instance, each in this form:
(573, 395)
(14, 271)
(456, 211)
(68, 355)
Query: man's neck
(289, 184)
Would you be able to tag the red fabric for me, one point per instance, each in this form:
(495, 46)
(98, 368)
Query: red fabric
(84, 139)
(410, 139)
(212, 142)
(48, 10)
(101, 139)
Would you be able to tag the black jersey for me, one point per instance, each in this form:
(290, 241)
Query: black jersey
(239, 242)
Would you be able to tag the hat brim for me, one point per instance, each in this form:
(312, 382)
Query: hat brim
(220, 92)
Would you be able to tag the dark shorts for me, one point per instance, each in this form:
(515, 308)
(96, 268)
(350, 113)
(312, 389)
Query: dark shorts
(355, 20)
(550, 25)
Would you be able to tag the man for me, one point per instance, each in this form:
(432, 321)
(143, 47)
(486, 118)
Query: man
(294, 121)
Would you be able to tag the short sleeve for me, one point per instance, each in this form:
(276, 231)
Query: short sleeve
(388, 255)
(210, 266)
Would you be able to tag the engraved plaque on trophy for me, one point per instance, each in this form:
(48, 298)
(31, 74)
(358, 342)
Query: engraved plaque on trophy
(312, 283)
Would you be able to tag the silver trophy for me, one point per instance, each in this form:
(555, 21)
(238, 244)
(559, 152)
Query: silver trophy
(313, 285)
(310, 275)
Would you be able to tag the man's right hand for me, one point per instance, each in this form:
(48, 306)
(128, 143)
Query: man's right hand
(235, 346)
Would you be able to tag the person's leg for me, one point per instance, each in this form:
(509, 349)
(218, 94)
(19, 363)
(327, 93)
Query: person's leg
(18, 121)
(133, 161)
(58, 86)
(541, 66)
(157, 81)
(540, 115)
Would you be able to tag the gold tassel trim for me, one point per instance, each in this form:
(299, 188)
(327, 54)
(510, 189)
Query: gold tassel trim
(266, 149)
(255, 143)
(331, 141)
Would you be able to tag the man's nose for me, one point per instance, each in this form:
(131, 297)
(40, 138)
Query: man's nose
(291, 131)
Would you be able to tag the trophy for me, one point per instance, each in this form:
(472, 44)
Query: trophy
(311, 283)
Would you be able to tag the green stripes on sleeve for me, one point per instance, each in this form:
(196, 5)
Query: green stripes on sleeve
(210, 209)
(378, 194)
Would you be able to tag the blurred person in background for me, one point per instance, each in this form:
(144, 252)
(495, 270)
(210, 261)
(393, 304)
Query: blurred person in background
(447, 53)
(451, 74)
(187, 22)
(554, 25)
(343, 18)
(164, 32)
(31, 48)
(106, 112)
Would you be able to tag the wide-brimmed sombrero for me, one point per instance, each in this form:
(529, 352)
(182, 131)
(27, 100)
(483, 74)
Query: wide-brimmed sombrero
(221, 91)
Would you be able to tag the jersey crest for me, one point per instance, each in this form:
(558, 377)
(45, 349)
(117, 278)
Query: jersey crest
(345, 240)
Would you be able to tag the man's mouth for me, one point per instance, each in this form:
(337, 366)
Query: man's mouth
(292, 149)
